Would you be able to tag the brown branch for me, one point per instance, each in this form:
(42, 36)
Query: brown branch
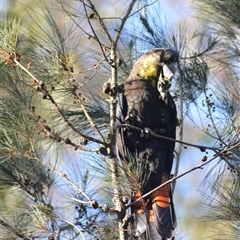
(104, 207)
(54, 136)
(69, 124)
(202, 129)
(201, 147)
(102, 25)
(126, 16)
(88, 80)
(73, 225)
(197, 54)
(96, 66)
(13, 230)
(145, 6)
(25, 70)
(89, 201)
(94, 74)
(89, 35)
(58, 109)
(63, 175)
(230, 148)
(89, 119)
(113, 130)
(99, 18)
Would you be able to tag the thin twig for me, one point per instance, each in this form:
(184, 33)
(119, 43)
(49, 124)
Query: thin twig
(88, 80)
(58, 229)
(203, 130)
(26, 70)
(66, 141)
(96, 66)
(89, 35)
(145, 6)
(94, 74)
(72, 224)
(211, 118)
(90, 120)
(201, 147)
(70, 124)
(230, 148)
(126, 16)
(102, 25)
(63, 175)
(59, 110)
(99, 18)
(80, 201)
(104, 208)
(184, 173)
(197, 54)
(13, 230)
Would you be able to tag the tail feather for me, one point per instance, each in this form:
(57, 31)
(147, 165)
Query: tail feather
(156, 215)
(165, 221)
(163, 211)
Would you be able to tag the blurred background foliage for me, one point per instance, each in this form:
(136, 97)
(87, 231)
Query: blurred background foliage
(46, 163)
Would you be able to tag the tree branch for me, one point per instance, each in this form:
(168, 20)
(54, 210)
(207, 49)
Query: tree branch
(63, 175)
(99, 18)
(45, 91)
(102, 25)
(69, 124)
(200, 147)
(13, 230)
(145, 6)
(54, 136)
(90, 120)
(113, 150)
(200, 166)
(126, 16)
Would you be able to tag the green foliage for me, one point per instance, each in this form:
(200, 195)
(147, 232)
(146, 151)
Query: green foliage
(54, 120)
(222, 187)
(227, 10)
(39, 94)
(10, 35)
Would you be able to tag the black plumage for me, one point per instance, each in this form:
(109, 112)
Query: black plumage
(149, 159)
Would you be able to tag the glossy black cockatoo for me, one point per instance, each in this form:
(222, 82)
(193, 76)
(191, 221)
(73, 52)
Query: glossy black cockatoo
(146, 103)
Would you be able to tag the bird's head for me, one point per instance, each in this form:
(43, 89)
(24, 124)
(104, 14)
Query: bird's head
(158, 66)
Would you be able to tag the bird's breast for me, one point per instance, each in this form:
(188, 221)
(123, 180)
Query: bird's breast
(145, 106)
